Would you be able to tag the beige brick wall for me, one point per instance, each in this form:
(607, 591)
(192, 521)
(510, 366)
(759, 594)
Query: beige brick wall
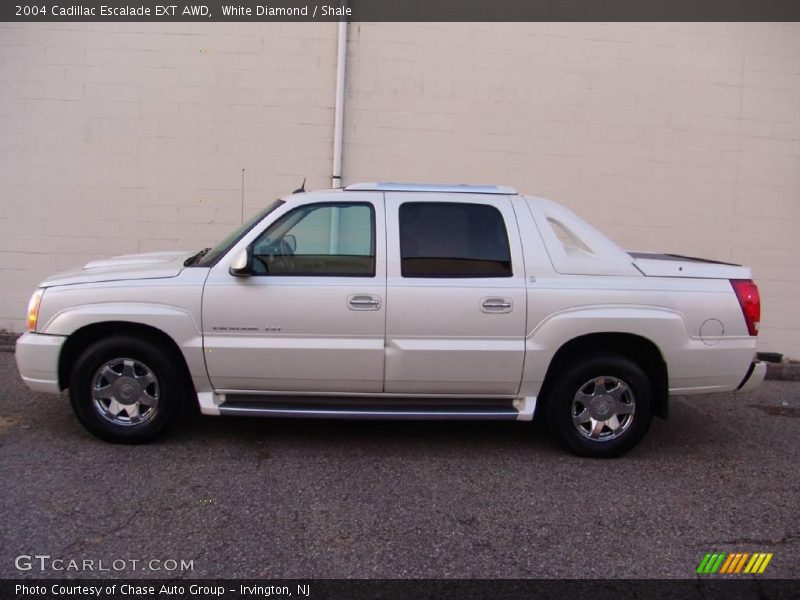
(122, 138)
(131, 137)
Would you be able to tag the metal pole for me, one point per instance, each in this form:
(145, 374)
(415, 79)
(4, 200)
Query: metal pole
(338, 114)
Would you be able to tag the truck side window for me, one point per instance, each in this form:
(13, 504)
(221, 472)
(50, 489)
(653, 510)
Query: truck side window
(448, 239)
(317, 240)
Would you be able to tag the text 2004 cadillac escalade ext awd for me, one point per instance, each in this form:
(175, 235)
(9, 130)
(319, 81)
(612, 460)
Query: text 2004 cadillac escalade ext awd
(397, 301)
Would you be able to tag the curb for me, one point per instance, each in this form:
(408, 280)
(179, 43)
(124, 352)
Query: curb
(7, 342)
(783, 371)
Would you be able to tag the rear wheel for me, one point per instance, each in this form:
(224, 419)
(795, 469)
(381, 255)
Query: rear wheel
(600, 407)
(126, 390)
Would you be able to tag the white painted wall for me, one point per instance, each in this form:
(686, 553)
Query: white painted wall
(131, 137)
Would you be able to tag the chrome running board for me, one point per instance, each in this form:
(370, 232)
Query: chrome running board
(363, 406)
(392, 415)
(326, 407)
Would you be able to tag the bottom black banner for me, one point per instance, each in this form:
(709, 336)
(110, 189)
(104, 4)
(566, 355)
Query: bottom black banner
(404, 589)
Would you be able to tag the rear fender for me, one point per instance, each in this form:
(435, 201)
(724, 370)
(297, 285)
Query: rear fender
(665, 328)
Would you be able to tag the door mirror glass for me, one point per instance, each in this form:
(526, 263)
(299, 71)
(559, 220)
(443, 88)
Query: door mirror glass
(291, 242)
(242, 265)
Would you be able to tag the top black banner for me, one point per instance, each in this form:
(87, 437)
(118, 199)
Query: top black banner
(400, 10)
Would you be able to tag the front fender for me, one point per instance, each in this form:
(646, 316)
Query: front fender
(177, 323)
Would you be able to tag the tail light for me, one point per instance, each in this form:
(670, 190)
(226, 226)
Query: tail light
(750, 301)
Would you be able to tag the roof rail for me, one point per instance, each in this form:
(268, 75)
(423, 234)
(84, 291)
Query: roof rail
(459, 188)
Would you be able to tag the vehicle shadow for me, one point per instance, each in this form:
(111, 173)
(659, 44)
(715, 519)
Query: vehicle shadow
(686, 432)
(344, 432)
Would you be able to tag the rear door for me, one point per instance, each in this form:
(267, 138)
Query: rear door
(456, 295)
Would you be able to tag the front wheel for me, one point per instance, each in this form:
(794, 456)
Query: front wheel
(125, 389)
(600, 407)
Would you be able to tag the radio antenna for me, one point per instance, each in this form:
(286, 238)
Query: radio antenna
(242, 194)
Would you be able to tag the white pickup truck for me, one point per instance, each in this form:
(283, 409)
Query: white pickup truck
(397, 301)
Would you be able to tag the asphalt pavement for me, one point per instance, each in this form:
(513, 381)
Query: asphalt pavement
(338, 499)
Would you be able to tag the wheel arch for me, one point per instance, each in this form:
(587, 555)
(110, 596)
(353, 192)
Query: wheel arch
(638, 349)
(83, 337)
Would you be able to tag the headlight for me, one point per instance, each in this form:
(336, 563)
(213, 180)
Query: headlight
(33, 309)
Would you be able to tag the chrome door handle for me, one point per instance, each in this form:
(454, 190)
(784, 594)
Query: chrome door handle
(496, 305)
(359, 302)
(363, 302)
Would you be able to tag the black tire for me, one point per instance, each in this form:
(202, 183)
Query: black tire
(581, 376)
(169, 387)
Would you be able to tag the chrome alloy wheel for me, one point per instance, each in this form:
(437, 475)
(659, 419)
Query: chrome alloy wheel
(603, 408)
(125, 392)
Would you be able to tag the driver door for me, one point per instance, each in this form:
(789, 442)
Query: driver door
(311, 316)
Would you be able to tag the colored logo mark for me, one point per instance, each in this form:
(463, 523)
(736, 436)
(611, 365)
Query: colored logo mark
(737, 562)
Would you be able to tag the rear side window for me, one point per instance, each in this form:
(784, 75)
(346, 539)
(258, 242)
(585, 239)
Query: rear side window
(448, 239)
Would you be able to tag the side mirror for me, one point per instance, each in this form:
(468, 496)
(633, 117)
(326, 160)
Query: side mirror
(242, 265)
(291, 242)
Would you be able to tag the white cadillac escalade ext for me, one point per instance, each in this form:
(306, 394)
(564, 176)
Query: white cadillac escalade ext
(397, 301)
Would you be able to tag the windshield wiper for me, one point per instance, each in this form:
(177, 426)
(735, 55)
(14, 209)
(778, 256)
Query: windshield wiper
(195, 257)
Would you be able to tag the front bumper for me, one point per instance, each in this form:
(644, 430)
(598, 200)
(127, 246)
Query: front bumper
(37, 361)
(755, 375)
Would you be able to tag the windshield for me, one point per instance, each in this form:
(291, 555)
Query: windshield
(211, 256)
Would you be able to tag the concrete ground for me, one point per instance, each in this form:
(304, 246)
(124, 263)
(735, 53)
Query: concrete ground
(301, 499)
